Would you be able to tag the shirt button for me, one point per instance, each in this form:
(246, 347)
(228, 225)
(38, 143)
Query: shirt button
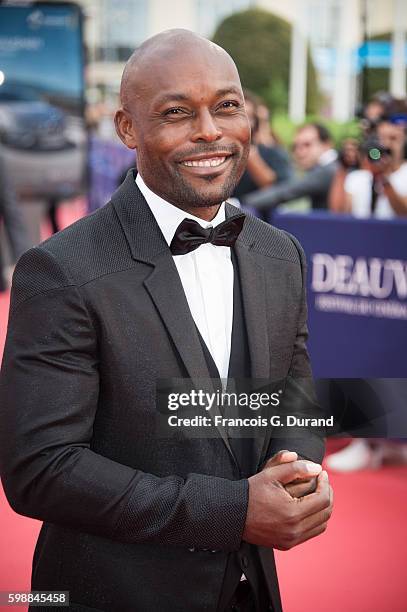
(213, 551)
(191, 549)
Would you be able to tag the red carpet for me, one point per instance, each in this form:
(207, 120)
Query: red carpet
(358, 565)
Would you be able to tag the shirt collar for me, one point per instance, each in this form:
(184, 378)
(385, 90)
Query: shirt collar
(169, 216)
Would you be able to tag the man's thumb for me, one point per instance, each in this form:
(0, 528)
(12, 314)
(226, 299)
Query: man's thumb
(287, 472)
(283, 456)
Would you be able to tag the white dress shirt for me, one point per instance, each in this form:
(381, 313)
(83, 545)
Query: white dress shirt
(206, 275)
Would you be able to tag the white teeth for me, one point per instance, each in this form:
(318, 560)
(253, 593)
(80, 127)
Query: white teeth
(204, 163)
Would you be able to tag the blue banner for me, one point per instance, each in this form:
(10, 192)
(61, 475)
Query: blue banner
(357, 293)
(377, 54)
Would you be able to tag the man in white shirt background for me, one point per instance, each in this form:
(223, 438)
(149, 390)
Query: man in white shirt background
(379, 187)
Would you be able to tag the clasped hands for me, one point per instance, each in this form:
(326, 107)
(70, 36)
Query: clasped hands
(290, 501)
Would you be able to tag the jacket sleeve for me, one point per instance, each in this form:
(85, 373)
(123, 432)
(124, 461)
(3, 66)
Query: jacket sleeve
(299, 395)
(312, 183)
(49, 388)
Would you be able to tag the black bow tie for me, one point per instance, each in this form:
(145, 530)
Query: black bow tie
(190, 235)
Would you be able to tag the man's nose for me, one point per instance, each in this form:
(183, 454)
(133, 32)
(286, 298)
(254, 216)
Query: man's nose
(206, 128)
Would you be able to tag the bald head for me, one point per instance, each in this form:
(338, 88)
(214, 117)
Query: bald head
(165, 48)
(183, 111)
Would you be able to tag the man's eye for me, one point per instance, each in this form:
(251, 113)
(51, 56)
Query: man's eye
(229, 104)
(173, 111)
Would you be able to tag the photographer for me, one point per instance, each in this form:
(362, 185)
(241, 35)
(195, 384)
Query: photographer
(379, 187)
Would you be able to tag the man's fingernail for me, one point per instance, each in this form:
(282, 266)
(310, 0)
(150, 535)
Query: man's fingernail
(324, 475)
(313, 467)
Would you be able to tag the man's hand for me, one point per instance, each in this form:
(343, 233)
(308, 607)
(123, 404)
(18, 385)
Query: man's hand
(383, 167)
(258, 169)
(277, 520)
(301, 488)
(298, 488)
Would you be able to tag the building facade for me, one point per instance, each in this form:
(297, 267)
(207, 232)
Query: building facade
(334, 31)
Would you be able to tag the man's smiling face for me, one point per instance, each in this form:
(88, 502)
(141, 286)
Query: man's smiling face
(184, 113)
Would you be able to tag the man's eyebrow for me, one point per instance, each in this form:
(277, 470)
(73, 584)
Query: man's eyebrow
(228, 90)
(180, 97)
(170, 97)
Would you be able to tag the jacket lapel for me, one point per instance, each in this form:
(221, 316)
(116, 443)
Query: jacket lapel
(253, 285)
(254, 303)
(254, 299)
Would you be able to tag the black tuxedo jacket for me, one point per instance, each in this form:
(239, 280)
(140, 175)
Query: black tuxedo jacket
(133, 521)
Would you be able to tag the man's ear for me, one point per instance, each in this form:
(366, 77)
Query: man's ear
(124, 128)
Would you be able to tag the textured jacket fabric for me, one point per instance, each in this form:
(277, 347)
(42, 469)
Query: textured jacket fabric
(133, 520)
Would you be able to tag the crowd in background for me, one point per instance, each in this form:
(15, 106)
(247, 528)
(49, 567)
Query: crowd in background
(366, 177)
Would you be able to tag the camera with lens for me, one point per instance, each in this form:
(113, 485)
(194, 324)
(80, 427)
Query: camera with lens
(375, 151)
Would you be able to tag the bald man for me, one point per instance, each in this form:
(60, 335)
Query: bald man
(168, 281)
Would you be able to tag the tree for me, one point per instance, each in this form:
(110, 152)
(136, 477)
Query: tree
(259, 43)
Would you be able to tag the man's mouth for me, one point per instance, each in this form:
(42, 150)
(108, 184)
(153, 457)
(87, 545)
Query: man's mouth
(206, 164)
(211, 162)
